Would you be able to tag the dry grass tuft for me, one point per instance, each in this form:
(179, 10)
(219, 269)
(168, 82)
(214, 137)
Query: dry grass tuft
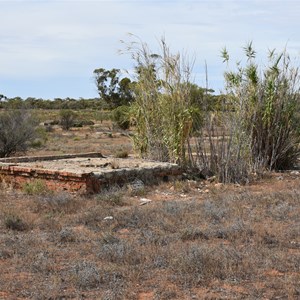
(242, 243)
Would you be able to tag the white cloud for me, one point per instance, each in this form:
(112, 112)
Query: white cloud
(68, 39)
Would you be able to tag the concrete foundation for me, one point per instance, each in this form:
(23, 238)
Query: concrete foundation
(84, 173)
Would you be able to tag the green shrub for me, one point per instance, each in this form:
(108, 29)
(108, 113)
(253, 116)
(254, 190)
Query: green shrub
(17, 131)
(14, 222)
(81, 123)
(102, 116)
(37, 143)
(67, 118)
(121, 117)
(42, 133)
(121, 153)
(35, 187)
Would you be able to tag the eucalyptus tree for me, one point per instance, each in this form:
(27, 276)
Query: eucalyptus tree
(112, 89)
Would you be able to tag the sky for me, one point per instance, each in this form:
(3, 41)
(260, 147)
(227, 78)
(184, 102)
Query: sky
(49, 48)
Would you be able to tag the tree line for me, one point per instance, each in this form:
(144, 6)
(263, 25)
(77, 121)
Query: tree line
(57, 103)
(113, 89)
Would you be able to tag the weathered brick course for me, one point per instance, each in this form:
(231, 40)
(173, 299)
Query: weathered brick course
(15, 172)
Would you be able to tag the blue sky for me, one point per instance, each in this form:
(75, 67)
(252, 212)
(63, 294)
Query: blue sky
(50, 48)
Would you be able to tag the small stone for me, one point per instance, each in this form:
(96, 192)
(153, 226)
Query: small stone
(144, 201)
(192, 183)
(108, 218)
(279, 178)
(124, 231)
(295, 173)
(136, 186)
(219, 185)
(211, 179)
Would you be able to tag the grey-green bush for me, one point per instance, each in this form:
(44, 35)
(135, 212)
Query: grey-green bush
(17, 131)
(67, 118)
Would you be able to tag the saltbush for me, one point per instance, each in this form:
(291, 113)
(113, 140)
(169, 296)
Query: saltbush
(17, 131)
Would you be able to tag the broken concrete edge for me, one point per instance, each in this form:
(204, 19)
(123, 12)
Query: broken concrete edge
(82, 182)
(36, 172)
(149, 175)
(49, 157)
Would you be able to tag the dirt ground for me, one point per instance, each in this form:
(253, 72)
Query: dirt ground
(176, 240)
(98, 138)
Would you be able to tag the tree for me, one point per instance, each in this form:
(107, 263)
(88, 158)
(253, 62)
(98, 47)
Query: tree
(2, 100)
(203, 97)
(2, 97)
(121, 116)
(15, 103)
(111, 89)
(126, 91)
(17, 130)
(67, 118)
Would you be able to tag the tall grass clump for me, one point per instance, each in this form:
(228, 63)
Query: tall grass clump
(267, 101)
(162, 111)
(250, 129)
(256, 128)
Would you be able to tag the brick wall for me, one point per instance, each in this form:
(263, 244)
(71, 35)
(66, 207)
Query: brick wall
(16, 177)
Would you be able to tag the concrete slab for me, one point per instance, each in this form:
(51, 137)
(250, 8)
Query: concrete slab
(84, 173)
